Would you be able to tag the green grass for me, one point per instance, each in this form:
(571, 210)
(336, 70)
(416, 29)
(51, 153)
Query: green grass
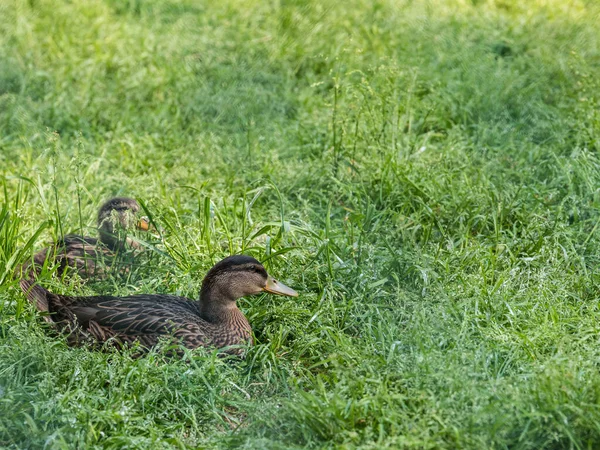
(425, 174)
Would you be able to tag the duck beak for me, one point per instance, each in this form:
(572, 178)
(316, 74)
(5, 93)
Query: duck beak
(143, 224)
(275, 287)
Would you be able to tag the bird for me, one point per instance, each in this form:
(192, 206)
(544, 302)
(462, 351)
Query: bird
(214, 320)
(90, 256)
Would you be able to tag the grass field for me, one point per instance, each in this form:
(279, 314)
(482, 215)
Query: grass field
(425, 174)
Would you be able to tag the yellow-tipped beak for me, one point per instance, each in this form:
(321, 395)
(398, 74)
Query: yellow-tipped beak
(275, 287)
(143, 224)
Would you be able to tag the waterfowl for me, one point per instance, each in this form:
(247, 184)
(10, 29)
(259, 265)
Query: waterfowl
(87, 255)
(212, 321)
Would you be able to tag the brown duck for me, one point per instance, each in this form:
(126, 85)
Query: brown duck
(88, 255)
(212, 321)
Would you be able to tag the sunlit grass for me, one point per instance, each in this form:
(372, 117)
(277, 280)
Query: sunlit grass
(425, 174)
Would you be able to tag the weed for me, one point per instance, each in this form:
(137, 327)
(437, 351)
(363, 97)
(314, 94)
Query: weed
(425, 174)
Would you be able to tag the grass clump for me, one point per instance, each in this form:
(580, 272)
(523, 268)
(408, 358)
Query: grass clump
(424, 173)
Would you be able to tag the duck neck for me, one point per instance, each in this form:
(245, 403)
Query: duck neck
(111, 239)
(220, 310)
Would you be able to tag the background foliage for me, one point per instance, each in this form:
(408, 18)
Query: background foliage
(425, 173)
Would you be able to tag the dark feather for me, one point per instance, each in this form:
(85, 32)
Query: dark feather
(142, 318)
(212, 321)
(89, 256)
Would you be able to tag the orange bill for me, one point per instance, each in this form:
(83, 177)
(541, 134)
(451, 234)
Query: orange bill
(143, 224)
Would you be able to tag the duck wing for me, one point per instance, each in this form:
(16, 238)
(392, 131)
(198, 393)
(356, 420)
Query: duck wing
(142, 318)
(81, 253)
(76, 240)
(139, 318)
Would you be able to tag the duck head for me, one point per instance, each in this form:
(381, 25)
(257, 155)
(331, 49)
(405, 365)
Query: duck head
(235, 277)
(116, 217)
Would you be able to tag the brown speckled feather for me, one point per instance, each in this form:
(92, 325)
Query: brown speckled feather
(212, 321)
(147, 318)
(139, 318)
(88, 256)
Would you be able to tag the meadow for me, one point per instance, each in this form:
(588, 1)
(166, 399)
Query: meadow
(425, 174)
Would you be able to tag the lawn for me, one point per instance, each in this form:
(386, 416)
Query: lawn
(425, 174)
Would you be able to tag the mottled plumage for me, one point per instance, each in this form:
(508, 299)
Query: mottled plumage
(91, 257)
(212, 321)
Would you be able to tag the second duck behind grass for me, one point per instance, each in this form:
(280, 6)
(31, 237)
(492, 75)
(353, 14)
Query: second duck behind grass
(91, 256)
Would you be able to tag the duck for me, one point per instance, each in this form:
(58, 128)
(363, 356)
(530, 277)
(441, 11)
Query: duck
(88, 255)
(214, 320)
